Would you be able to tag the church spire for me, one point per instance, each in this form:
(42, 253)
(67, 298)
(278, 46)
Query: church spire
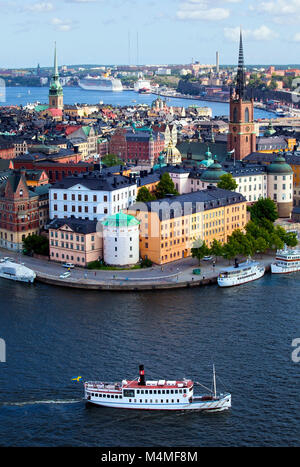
(240, 84)
(55, 61)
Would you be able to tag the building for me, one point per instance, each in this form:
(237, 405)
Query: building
(91, 196)
(7, 150)
(242, 133)
(121, 240)
(19, 211)
(169, 227)
(280, 185)
(74, 240)
(137, 145)
(56, 100)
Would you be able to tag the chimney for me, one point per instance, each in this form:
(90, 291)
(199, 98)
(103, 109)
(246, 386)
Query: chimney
(142, 381)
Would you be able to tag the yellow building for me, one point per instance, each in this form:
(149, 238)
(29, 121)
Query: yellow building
(169, 227)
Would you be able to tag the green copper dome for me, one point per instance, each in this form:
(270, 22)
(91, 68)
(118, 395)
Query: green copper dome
(213, 173)
(279, 166)
(120, 220)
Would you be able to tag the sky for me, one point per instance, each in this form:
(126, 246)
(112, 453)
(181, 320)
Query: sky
(148, 31)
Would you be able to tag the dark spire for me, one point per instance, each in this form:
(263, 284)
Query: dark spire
(240, 79)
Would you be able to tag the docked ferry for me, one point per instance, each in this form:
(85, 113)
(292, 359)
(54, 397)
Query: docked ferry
(240, 273)
(155, 395)
(286, 261)
(16, 272)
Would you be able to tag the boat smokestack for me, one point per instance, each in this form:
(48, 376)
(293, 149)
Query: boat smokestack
(142, 381)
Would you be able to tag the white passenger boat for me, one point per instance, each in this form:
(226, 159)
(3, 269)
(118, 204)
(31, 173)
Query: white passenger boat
(240, 273)
(286, 261)
(155, 395)
(16, 272)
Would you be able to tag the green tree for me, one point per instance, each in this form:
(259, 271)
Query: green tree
(36, 244)
(291, 239)
(199, 249)
(264, 208)
(261, 245)
(227, 182)
(230, 249)
(144, 195)
(165, 186)
(111, 159)
(216, 248)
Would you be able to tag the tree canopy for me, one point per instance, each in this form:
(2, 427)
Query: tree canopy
(165, 186)
(227, 182)
(144, 195)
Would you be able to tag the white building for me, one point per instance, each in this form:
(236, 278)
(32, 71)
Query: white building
(91, 196)
(121, 240)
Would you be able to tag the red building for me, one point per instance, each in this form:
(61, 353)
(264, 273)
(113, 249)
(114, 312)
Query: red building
(55, 170)
(7, 151)
(139, 146)
(19, 211)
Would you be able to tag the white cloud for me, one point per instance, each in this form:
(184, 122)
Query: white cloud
(201, 10)
(39, 7)
(296, 37)
(63, 25)
(263, 33)
(279, 11)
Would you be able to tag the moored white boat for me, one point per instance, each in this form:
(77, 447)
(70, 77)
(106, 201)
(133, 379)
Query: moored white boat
(240, 273)
(16, 272)
(155, 395)
(286, 261)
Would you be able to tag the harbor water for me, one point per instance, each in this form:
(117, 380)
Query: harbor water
(24, 95)
(54, 334)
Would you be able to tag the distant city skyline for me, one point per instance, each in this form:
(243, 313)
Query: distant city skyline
(148, 31)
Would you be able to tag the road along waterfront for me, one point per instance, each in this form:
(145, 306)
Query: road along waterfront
(175, 275)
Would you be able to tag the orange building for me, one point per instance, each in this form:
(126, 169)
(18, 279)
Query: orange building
(169, 227)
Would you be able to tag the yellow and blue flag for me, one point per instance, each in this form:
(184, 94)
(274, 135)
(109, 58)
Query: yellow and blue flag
(77, 378)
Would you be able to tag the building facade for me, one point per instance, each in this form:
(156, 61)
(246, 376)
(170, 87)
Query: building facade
(169, 228)
(91, 196)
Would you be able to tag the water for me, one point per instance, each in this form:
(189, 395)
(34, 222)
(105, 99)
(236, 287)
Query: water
(54, 334)
(24, 95)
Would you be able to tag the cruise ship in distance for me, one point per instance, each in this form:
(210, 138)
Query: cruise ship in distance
(287, 260)
(142, 84)
(101, 83)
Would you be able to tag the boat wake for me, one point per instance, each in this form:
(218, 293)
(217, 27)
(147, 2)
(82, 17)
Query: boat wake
(50, 401)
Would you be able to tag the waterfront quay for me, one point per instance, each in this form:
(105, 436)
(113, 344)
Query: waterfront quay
(175, 275)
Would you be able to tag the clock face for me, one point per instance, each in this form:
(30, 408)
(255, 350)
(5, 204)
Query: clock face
(247, 128)
(234, 128)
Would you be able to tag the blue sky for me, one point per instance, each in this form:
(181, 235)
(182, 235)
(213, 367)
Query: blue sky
(168, 31)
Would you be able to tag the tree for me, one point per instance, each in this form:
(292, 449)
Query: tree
(36, 244)
(216, 248)
(144, 195)
(227, 182)
(264, 208)
(199, 249)
(291, 239)
(111, 159)
(261, 245)
(165, 186)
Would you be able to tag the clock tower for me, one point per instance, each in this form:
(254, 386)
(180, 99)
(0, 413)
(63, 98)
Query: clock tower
(241, 136)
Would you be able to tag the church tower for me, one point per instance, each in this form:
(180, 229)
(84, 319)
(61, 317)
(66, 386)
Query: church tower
(56, 100)
(241, 136)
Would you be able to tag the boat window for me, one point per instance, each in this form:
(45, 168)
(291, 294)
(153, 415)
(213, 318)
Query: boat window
(141, 400)
(104, 395)
(161, 400)
(184, 391)
(150, 392)
(158, 392)
(177, 400)
(112, 396)
(108, 395)
(93, 394)
(163, 392)
(138, 391)
(128, 393)
(142, 391)
(146, 391)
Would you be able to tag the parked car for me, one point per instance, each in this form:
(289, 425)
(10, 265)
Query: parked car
(64, 275)
(68, 265)
(207, 258)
